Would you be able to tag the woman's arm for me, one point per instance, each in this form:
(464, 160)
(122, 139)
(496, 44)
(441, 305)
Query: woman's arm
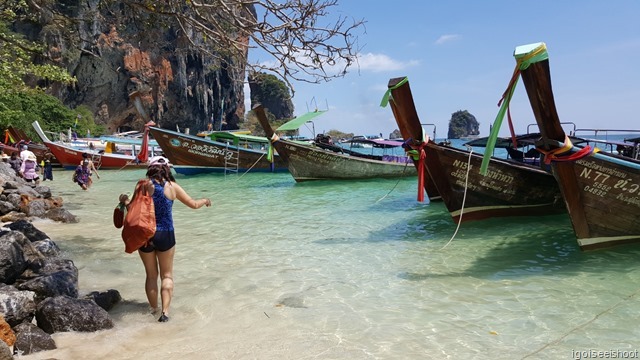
(184, 198)
(93, 168)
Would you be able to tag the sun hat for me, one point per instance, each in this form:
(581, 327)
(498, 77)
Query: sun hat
(5, 156)
(32, 157)
(159, 160)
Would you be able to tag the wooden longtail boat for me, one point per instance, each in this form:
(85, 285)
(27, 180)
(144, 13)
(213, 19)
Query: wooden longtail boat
(601, 190)
(229, 152)
(70, 157)
(310, 162)
(509, 188)
(15, 138)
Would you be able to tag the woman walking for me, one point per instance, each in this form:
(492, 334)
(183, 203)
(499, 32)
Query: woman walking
(157, 256)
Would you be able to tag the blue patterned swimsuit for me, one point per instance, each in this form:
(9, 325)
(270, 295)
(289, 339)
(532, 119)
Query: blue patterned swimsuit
(164, 238)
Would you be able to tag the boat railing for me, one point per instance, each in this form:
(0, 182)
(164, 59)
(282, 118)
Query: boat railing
(568, 125)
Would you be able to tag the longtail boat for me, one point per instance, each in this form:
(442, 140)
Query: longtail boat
(217, 152)
(508, 188)
(319, 161)
(70, 157)
(15, 138)
(601, 190)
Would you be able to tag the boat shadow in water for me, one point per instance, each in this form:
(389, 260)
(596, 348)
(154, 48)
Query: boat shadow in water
(523, 247)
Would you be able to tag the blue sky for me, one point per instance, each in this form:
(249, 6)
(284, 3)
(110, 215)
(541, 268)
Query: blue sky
(458, 55)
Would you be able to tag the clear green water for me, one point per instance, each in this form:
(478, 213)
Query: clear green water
(345, 270)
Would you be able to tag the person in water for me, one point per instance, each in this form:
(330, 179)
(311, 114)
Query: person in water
(82, 176)
(92, 166)
(47, 168)
(157, 256)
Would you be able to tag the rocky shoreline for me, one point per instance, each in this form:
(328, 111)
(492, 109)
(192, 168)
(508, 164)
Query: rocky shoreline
(39, 292)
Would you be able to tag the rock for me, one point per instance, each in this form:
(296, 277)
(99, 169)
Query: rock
(6, 333)
(47, 247)
(27, 228)
(26, 190)
(36, 207)
(12, 259)
(43, 191)
(6, 207)
(57, 277)
(31, 339)
(5, 351)
(13, 216)
(63, 313)
(106, 299)
(60, 214)
(17, 306)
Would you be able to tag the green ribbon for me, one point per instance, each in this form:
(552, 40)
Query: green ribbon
(523, 61)
(270, 153)
(387, 94)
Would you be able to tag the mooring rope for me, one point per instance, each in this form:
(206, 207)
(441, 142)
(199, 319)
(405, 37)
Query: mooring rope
(396, 184)
(464, 198)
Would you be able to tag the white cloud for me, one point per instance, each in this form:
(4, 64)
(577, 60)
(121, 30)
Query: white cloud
(382, 62)
(366, 62)
(447, 38)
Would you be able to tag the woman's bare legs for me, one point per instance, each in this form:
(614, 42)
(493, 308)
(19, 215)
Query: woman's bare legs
(151, 282)
(165, 259)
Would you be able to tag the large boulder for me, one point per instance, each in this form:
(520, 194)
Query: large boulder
(27, 228)
(31, 339)
(61, 215)
(64, 313)
(17, 306)
(57, 277)
(105, 299)
(12, 257)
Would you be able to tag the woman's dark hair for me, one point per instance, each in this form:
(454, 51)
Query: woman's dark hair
(85, 155)
(160, 173)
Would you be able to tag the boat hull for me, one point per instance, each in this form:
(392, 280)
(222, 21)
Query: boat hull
(508, 188)
(307, 162)
(601, 191)
(192, 155)
(70, 158)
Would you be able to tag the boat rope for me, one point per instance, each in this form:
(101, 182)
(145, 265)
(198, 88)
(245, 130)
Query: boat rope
(464, 198)
(583, 325)
(394, 186)
(561, 152)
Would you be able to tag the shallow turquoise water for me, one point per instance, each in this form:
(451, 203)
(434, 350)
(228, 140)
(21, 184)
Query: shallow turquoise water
(345, 270)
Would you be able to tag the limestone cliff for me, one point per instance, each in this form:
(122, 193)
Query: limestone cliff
(113, 52)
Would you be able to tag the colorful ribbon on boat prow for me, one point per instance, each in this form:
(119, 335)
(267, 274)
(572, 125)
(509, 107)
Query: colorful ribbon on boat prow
(562, 153)
(274, 138)
(385, 98)
(523, 61)
(417, 153)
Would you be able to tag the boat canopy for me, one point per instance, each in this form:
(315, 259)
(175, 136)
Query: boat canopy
(297, 122)
(521, 141)
(377, 143)
(237, 137)
(126, 140)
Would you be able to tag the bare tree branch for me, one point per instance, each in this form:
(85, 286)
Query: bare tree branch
(290, 32)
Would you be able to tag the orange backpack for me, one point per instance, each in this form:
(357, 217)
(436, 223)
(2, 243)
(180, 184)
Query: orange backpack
(140, 222)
